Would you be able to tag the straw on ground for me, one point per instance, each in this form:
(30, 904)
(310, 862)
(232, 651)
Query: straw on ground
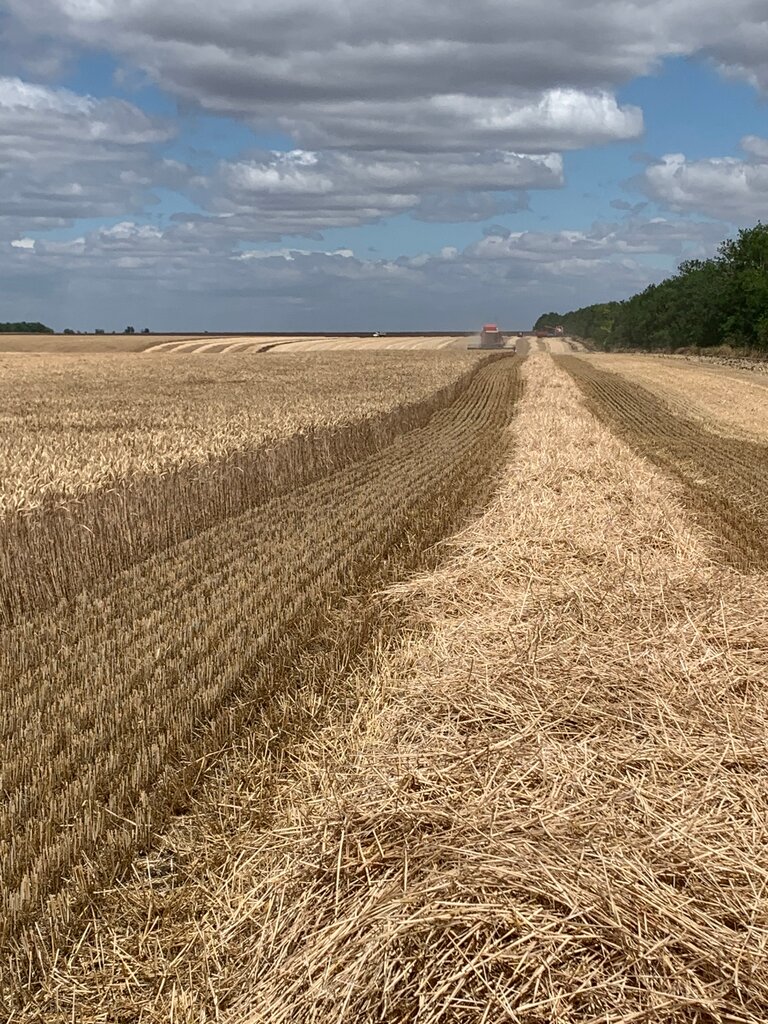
(548, 806)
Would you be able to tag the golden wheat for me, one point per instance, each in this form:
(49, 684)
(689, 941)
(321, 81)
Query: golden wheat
(546, 805)
(729, 402)
(71, 424)
(111, 702)
(724, 478)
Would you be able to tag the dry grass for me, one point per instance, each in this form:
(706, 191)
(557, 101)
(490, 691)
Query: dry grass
(725, 401)
(72, 424)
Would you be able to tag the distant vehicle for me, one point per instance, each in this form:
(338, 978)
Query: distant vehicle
(490, 337)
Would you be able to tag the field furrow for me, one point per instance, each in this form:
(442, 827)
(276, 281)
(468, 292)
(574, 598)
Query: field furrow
(545, 801)
(95, 477)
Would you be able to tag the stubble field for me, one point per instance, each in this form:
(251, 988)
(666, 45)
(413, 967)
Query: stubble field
(270, 756)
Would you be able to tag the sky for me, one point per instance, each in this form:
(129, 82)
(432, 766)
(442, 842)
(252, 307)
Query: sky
(291, 165)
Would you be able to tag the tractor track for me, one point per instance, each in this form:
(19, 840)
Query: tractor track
(724, 479)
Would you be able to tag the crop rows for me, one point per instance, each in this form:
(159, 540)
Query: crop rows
(72, 424)
(109, 703)
(724, 479)
(107, 470)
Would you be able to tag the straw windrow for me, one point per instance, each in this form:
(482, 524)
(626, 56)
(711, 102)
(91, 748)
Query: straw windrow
(728, 400)
(557, 810)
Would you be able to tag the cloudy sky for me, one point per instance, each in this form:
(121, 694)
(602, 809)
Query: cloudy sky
(352, 164)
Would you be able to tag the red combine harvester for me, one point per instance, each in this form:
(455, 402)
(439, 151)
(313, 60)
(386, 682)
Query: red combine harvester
(490, 337)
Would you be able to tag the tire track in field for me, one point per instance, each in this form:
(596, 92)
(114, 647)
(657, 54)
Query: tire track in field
(724, 479)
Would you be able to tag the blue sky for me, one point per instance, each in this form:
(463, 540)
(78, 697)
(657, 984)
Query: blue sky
(289, 166)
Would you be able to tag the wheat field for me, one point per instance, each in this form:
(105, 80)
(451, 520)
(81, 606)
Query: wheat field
(451, 710)
(730, 401)
(71, 424)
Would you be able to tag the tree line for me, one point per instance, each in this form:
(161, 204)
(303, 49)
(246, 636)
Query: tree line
(24, 327)
(707, 303)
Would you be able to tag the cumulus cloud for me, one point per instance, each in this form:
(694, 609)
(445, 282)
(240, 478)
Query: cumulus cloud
(65, 156)
(415, 74)
(412, 75)
(555, 119)
(508, 275)
(729, 187)
(51, 119)
(442, 110)
(301, 192)
(755, 146)
(602, 242)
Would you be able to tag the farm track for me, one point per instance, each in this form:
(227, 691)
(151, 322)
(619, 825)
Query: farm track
(113, 704)
(724, 479)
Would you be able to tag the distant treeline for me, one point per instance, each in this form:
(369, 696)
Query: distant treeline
(25, 328)
(720, 301)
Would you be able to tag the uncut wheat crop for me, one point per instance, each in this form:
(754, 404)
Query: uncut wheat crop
(73, 424)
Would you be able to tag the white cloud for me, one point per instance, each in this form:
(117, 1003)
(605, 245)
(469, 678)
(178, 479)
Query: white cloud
(64, 156)
(412, 75)
(288, 254)
(755, 146)
(415, 74)
(555, 119)
(632, 237)
(727, 187)
(38, 122)
(443, 110)
(301, 192)
(195, 281)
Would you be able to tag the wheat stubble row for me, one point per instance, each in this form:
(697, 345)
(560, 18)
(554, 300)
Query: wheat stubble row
(109, 700)
(724, 478)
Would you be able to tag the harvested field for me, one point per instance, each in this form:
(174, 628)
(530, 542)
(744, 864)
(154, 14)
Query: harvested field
(212, 344)
(112, 703)
(324, 343)
(80, 344)
(530, 345)
(727, 401)
(393, 344)
(547, 805)
(724, 479)
(72, 424)
(256, 773)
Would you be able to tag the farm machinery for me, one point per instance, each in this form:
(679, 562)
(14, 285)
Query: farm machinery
(490, 337)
